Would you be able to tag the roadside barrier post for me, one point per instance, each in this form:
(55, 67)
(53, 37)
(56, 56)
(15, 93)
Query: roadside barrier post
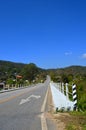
(74, 96)
(67, 91)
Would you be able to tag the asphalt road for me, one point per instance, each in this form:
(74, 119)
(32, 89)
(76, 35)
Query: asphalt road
(23, 109)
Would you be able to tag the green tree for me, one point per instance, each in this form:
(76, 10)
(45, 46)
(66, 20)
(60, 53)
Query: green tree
(29, 72)
(64, 78)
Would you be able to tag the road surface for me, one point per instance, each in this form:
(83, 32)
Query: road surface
(23, 109)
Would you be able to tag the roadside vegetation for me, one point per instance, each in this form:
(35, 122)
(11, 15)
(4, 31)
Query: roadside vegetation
(77, 121)
(70, 120)
(18, 74)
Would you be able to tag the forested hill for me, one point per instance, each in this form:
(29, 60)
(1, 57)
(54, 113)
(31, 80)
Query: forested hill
(8, 66)
(12, 67)
(9, 70)
(74, 70)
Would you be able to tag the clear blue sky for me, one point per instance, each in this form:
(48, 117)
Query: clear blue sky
(49, 33)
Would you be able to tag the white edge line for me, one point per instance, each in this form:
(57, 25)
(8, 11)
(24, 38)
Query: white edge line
(43, 119)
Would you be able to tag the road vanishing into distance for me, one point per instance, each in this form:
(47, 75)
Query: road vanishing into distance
(23, 109)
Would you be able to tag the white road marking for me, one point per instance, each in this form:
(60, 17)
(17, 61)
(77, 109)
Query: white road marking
(43, 119)
(29, 98)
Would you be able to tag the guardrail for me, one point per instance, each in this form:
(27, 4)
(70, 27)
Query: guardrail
(61, 97)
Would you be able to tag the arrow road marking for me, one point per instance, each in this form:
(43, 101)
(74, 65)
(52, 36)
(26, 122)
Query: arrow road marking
(28, 99)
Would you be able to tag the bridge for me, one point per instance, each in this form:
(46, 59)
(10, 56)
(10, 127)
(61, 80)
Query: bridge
(61, 97)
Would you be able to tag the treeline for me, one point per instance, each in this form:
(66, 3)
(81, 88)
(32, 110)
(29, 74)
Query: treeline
(11, 72)
(67, 74)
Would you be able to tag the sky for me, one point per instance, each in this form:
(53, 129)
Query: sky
(49, 33)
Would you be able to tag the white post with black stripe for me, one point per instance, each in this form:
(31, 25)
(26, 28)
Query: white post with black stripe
(74, 96)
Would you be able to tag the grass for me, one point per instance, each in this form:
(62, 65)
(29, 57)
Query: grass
(72, 120)
(76, 121)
